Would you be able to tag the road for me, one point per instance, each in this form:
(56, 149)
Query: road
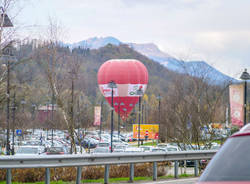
(175, 181)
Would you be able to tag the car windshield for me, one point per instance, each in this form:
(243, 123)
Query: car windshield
(100, 150)
(146, 148)
(27, 151)
(162, 145)
(172, 149)
(103, 144)
(55, 149)
(231, 163)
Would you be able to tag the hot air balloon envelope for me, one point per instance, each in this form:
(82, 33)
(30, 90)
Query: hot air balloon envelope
(131, 79)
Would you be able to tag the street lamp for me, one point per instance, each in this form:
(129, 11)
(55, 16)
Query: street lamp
(8, 57)
(159, 115)
(139, 92)
(52, 117)
(112, 85)
(13, 124)
(245, 76)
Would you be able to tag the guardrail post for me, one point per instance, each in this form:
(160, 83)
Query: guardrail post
(79, 175)
(106, 174)
(47, 176)
(196, 164)
(154, 171)
(8, 176)
(176, 168)
(131, 174)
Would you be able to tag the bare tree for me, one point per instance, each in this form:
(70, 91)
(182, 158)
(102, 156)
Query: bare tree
(192, 104)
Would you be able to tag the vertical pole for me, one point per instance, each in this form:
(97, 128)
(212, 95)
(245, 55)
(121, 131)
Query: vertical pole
(52, 117)
(245, 103)
(176, 167)
(159, 121)
(8, 108)
(139, 128)
(119, 119)
(47, 120)
(13, 124)
(154, 171)
(79, 175)
(106, 174)
(8, 176)
(196, 164)
(47, 176)
(72, 115)
(112, 112)
(131, 173)
(142, 112)
(100, 134)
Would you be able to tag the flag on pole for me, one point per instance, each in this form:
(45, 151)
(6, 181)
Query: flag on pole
(236, 92)
(97, 118)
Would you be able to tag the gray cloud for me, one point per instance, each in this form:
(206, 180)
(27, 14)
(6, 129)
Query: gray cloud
(217, 31)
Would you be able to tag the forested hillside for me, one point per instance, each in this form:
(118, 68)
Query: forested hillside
(49, 73)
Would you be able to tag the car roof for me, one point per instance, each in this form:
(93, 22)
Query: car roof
(245, 131)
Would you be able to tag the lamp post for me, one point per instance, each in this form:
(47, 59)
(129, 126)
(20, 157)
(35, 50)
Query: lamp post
(13, 124)
(52, 118)
(159, 115)
(47, 105)
(245, 76)
(8, 57)
(33, 108)
(139, 93)
(112, 85)
(100, 132)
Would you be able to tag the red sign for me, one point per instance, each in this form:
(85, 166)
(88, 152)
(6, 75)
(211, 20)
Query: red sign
(97, 120)
(237, 104)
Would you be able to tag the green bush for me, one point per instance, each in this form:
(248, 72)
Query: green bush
(89, 172)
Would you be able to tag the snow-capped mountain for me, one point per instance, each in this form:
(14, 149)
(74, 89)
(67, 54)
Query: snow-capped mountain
(195, 68)
(95, 42)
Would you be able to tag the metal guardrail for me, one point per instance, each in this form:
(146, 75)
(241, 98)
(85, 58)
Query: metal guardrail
(51, 161)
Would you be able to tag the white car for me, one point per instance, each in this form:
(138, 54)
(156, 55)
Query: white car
(133, 150)
(146, 148)
(29, 150)
(173, 148)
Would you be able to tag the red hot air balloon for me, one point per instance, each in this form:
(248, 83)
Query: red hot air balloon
(130, 76)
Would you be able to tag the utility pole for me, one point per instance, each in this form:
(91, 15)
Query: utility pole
(72, 112)
(52, 116)
(13, 124)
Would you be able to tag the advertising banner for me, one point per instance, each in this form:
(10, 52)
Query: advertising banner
(122, 90)
(149, 131)
(97, 119)
(236, 92)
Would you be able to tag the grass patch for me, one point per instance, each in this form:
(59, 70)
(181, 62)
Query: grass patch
(146, 144)
(111, 180)
(149, 144)
(42, 182)
(116, 180)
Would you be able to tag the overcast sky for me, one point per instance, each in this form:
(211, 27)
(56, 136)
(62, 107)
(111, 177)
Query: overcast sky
(216, 31)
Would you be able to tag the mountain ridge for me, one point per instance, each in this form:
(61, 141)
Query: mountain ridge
(152, 51)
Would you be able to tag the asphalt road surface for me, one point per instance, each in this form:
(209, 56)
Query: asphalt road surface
(175, 181)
